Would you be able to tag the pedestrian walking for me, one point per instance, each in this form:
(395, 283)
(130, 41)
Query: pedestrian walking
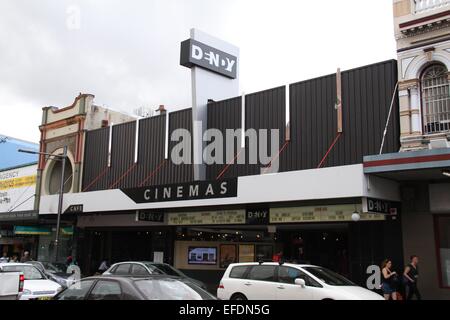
(4, 258)
(103, 266)
(277, 256)
(388, 280)
(69, 261)
(411, 277)
(26, 257)
(14, 259)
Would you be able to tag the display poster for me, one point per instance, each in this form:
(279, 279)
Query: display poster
(207, 218)
(228, 255)
(246, 253)
(202, 255)
(158, 257)
(312, 214)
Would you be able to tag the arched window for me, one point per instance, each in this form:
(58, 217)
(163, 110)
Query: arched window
(435, 99)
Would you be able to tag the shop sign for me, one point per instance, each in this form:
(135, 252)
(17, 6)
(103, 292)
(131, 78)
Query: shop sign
(382, 206)
(195, 53)
(150, 216)
(257, 216)
(225, 217)
(17, 189)
(67, 231)
(197, 190)
(19, 216)
(312, 214)
(30, 230)
(6, 233)
(75, 208)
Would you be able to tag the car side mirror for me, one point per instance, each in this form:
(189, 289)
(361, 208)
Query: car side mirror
(300, 282)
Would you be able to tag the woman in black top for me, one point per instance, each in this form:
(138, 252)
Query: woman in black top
(388, 280)
(411, 276)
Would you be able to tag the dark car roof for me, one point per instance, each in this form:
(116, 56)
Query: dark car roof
(134, 278)
(130, 280)
(143, 262)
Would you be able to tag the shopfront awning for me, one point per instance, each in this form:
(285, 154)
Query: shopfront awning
(303, 185)
(422, 165)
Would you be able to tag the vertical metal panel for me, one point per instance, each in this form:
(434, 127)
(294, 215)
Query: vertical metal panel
(224, 115)
(122, 156)
(264, 110)
(96, 160)
(179, 173)
(151, 151)
(314, 122)
(367, 92)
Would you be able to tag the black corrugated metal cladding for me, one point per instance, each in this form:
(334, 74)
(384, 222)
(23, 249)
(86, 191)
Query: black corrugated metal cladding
(151, 167)
(366, 97)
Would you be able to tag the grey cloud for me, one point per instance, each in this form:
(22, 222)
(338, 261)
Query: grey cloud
(127, 52)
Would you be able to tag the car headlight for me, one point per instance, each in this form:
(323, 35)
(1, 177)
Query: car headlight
(27, 292)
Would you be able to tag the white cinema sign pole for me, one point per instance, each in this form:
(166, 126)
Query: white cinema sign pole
(214, 66)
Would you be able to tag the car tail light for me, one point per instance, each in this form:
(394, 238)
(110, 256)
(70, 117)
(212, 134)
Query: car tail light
(21, 281)
(221, 286)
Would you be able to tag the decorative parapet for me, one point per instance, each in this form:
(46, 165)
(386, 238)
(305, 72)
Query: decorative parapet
(427, 5)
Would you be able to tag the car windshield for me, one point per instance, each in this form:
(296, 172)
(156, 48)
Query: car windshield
(55, 267)
(29, 272)
(169, 270)
(171, 289)
(329, 277)
(153, 269)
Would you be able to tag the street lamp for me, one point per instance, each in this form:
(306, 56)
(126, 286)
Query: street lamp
(63, 158)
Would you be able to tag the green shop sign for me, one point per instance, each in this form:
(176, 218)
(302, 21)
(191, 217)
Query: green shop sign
(27, 230)
(41, 231)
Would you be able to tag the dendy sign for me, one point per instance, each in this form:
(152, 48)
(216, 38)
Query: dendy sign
(194, 53)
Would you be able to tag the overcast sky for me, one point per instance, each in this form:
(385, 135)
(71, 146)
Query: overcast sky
(126, 53)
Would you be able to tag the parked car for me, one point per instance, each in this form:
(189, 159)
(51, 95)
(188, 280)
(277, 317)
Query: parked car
(274, 281)
(154, 287)
(11, 284)
(145, 268)
(55, 271)
(36, 285)
(171, 271)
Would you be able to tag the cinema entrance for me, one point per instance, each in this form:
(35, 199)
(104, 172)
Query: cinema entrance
(123, 244)
(348, 248)
(324, 245)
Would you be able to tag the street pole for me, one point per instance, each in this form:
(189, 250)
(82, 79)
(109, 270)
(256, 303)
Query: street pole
(60, 202)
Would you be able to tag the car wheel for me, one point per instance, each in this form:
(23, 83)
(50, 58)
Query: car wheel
(238, 296)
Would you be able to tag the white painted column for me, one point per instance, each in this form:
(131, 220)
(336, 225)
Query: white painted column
(416, 114)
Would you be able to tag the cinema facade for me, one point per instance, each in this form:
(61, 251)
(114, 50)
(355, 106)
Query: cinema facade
(358, 172)
(132, 202)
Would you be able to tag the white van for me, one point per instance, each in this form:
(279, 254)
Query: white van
(274, 281)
